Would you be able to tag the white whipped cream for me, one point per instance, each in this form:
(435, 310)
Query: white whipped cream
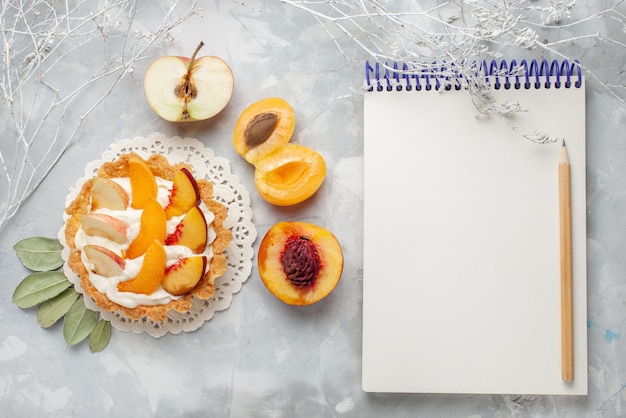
(131, 217)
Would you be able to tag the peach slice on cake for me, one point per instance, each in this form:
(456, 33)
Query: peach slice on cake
(183, 276)
(101, 225)
(300, 263)
(151, 227)
(191, 231)
(107, 194)
(289, 175)
(104, 261)
(184, 194)
(151, 273)
(142, 182)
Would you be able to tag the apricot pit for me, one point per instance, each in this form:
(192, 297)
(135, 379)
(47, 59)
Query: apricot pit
(300, 263)
(262, 128)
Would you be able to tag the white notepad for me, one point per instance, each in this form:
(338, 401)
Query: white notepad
(461, 287)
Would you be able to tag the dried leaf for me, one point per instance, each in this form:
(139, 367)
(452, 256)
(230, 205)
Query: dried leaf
(78, 323)
(39, 287)
(39, 253)
(52, 310)
(100, 336)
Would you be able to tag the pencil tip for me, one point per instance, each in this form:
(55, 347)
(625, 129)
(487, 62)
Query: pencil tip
(563, 144)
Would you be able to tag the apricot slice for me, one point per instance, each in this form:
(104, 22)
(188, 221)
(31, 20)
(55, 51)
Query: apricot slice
(290, 175)
(183, 276)
(151, 273)
(151, 227)
(300, 263)
(262, 128)
(142, 182)
(184, 194)
(191, 231)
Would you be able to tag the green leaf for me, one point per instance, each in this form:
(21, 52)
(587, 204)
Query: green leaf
(52, 310)
(39, 287)
(78, 323)
(39, 253)
(100, 336)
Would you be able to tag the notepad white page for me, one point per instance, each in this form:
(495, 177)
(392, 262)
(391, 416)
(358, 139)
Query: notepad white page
(461, 286)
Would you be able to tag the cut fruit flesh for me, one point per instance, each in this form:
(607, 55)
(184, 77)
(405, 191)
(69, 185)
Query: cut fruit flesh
(183, 276)
(290, 175)
(262, 128)
(151, 273)
(142, 182)
(152, 226)
(300, 263)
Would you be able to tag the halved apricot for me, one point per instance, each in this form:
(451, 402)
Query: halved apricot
(300, 263)
(290, 175)
(262, 128)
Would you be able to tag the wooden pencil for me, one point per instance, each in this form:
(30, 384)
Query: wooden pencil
(565, 214)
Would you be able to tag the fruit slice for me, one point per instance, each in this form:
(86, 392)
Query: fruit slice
(300, 263)
(151, 273)
(101, 225)
(183, 276)
(190, 232)
(142, 182)
(151, 227)
(107, 194)
(184, 194)
(104, 261)
(290, 175)
(262, 128)
(181, 89)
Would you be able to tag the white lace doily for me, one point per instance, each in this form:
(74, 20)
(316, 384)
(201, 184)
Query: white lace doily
(227, 190)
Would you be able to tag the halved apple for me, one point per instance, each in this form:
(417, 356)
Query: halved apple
(151, 227)
(184, 194)
(104, 261)
(183, 276)
(151, 273)
(181, 89)
(191, 231)
(142, 182)
(107, 194)
(105, 226)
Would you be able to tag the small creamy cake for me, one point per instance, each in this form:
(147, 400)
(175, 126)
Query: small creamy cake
(146, 237)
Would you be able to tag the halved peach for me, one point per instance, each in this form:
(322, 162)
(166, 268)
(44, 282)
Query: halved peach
(290, 175)
(151, 227)
(300, 263)
(151, 273)
(183, 276)
(184, 194)
(101, 225)
(107, 194)
(262, 128)
(191, 231)
(142, 182)
(104, 261)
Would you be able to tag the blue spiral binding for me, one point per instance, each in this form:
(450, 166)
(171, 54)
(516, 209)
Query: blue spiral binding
(389, 77)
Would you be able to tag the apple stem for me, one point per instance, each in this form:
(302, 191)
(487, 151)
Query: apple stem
(193, 57)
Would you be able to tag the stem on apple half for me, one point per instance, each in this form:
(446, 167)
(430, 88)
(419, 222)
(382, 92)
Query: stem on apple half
(186, 89)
